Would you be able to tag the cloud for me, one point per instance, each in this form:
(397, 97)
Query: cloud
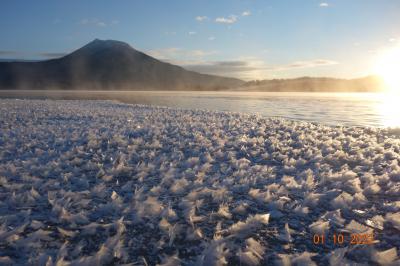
(200, 53)
(310, 63)
(324, 4)
(246, 13)
(250, 67)
(165, 53)
(8, 53)
(244, 67)
(30, 55)
(192, 32)
(201, 18)
(97, 22)
(174, 54)
(231, 63)
(229, 20)
(170, 33)
(211, 38)
(52, 55)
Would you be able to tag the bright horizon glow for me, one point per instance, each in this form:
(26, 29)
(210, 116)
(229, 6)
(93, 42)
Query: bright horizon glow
(388, 67)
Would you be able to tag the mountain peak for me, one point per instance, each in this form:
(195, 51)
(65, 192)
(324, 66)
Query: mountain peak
(97, 47)
(97, 43)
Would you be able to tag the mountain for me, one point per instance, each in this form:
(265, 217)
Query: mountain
(366, 84)
(107, 65)
(114, 65)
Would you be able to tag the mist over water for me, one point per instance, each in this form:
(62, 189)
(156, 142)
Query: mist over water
(349, 109)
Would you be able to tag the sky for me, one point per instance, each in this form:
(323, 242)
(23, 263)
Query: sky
(247, 39)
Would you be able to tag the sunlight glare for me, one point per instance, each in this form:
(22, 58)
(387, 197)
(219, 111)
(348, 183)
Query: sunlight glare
(388, 67)
(389, 110)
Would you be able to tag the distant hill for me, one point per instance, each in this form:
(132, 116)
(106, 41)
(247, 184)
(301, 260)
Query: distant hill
(366, 84)
(107, 65)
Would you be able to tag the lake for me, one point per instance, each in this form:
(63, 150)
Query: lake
(350, 109)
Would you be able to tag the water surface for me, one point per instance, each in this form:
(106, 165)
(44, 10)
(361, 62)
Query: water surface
(352, 109)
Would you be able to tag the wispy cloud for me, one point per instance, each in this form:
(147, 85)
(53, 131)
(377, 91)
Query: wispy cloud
(310, 63)
(200, 53)
(324, 4)
(244, 67)
(30, 55)
(97, 22)
(211, 38)
(174, 54)
(232, 18)
(192, 33)
(165, 53)
(201, 18)
(51, 55)
(93, 22)
(170, 33)
(9, 53)
(250, 67)
(226, 20)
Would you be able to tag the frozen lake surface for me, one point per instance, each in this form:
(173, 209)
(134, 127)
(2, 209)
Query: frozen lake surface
(102, 183)
(351, 109)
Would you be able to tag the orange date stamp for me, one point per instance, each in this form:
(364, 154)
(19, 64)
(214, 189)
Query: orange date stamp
(344, 239)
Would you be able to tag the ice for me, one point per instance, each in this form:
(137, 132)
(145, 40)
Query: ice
(6, 260)
(252, 223)
(101, 182)
(337, 257)
(285, 235)
(386, 257)
(303, 259)
(355, 227)
(394, 219)
(319, 227)
(214, 255)
(376, 222)
(334, 217)
(170, 261)
(223, 211)
(255, 247)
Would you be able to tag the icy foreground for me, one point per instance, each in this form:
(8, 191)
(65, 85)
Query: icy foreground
(97, 182)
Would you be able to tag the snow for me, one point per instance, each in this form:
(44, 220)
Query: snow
(100, 182)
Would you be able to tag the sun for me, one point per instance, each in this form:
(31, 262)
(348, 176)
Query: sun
(388, 67)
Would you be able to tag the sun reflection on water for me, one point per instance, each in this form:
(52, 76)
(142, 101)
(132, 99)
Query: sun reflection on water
(388, 107)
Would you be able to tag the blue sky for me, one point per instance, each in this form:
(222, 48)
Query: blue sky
(249, 39)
